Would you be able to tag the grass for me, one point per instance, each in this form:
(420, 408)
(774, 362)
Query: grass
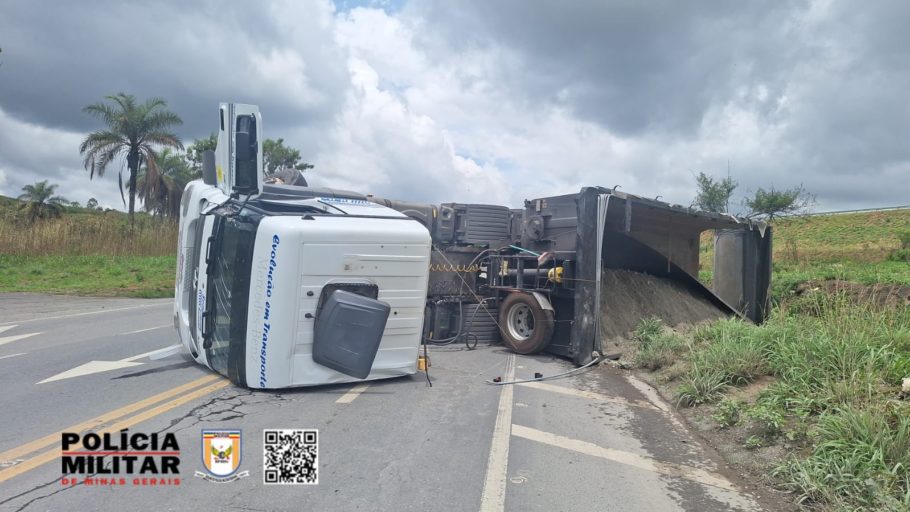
(83, 233)
(835, 364)
(867, 236)
(657, 345)
(861, 459)
(836, 368)
(787, 275)
(97, 275)
(87, 252)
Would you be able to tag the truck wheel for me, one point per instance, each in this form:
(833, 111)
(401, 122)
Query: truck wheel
(526, 327)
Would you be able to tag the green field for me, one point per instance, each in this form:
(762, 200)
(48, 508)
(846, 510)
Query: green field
(867, 236)
(97, 275)
(86, 252)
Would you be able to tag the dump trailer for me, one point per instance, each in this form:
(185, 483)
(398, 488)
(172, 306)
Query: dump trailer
(567, 273)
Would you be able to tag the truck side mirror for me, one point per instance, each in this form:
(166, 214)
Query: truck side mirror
(245, 154)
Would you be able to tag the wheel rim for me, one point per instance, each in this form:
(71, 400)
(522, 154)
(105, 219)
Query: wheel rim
(520, 322)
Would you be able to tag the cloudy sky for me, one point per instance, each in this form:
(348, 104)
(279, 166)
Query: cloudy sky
(485, 101)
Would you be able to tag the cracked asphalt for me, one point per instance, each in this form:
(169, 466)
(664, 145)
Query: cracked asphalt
(599, 440)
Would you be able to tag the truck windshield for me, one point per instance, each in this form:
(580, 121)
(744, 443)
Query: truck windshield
(229, 287)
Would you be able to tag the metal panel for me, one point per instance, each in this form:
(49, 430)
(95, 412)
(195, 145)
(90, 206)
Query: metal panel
(742, 270)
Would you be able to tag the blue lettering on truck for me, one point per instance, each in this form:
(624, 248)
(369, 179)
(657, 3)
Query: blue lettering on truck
(266, 323)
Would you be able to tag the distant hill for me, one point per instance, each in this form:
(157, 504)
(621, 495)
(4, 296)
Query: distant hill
(864, 236)
(8, 202)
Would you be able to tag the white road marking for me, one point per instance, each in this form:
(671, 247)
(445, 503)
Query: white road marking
(106, 366)
(161, 353)
(630, 459)
(587, 394)
(493, 498)
(149, 329)
(73, 315)
(13, 355)
(7, 327)
(352, 394)
(10, 339)
(155, 354)
(90, 368)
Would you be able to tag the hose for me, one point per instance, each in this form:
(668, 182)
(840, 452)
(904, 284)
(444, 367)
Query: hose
(594, 361)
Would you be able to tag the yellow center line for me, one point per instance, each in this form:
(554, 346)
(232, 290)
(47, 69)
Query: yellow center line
(45, 457)
(352, 394)
(107, 418)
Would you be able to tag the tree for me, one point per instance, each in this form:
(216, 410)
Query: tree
(161, 191)
(40, 201)
(195, 151)
(713, 196)
(92, 204)
(277, 157)
(134, 130)
(772, 203)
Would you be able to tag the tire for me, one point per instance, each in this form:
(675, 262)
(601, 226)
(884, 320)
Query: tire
(481, 321)
(525, 326)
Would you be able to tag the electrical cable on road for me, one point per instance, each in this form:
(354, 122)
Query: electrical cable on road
(594, 361)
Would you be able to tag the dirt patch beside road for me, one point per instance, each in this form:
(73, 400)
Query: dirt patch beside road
(882, 295)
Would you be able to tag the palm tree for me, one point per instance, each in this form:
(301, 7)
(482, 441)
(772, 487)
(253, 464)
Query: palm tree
(161, 192)
(134, 130)
(40, 200)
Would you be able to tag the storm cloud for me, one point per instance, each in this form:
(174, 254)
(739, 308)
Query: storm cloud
(486, 101)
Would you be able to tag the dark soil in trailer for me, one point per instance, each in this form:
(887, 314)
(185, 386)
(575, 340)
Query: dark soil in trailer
(627, 297)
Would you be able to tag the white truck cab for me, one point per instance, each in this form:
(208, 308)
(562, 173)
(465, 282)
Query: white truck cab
(282, 286)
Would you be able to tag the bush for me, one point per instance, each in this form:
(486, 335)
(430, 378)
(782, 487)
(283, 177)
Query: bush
(648, 329)
(657, 347)
(768, 419)
(728, 413)
(734, 348)
(701, 386)
(661, 351)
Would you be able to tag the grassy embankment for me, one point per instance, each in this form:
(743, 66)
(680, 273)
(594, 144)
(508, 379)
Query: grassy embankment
(87, 253)
(814, 394)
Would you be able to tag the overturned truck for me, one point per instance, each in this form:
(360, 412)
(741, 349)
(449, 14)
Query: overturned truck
(282, 285)
(566, 273)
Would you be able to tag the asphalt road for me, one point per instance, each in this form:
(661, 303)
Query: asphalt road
(600, 440)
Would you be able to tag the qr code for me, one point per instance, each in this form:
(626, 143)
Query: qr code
(290, 456)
